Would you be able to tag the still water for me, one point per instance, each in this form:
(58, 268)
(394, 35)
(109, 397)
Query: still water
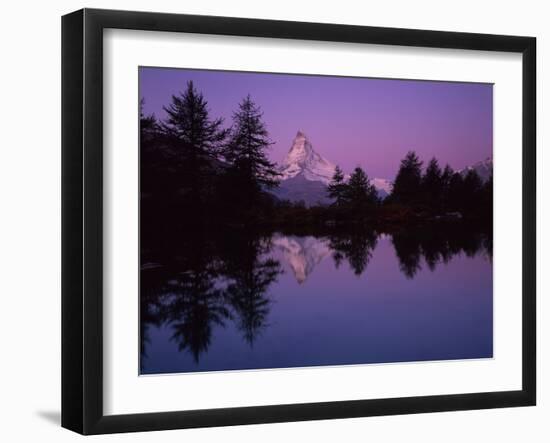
(281, 300)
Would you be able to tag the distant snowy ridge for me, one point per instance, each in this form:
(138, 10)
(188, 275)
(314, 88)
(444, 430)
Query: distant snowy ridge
(483, 168)
(383, 186)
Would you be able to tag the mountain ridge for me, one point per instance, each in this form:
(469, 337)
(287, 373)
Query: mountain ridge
(484, 169)
(303, 159)
(305, 175)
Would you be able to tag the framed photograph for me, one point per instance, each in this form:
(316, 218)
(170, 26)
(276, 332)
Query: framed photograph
(269, 221)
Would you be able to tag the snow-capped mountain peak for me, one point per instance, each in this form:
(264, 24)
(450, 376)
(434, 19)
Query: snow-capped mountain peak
(483, 168)
(300, 150)
(303, 159)
(383, 186)
(305, 174)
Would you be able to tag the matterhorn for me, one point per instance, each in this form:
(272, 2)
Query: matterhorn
(305, 175)
(302, 159)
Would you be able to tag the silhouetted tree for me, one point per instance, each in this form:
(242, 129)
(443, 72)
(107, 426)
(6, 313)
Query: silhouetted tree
(148, 127)
(455, 201)
(158, 180)
(189, 122)
(432, 185)
(151, 154)
(446, 177)
(195, 139)
(359, 193)
(246, 153)
(472, 192)
(337, 188)
(407, 185)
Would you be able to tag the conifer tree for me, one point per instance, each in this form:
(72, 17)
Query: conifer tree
(152, 156)
(472, 192)
(455, 199)
(246, 150)
(195, 140)
(359, 192)
(337, 188)
(407, 184)
(197, 137)
(446, 177)
(472, 182)
(148, 125)
(432, 185)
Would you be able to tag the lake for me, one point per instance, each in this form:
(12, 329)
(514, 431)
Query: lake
(251, 301)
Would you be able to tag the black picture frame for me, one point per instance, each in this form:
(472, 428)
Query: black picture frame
(82, 220)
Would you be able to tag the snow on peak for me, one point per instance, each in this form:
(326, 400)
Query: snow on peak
(302, 158)
(383, 186)
(484, 169)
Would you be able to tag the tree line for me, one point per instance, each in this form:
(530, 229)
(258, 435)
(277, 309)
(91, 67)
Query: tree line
(191, 161)
(441, 190)
(357, 194)
(433, 191)
(195, 169)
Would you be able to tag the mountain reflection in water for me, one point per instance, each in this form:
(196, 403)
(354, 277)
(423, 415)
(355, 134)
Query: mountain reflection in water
(249, 301)
(302, 254)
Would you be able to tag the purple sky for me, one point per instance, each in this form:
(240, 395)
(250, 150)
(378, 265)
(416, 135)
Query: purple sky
(350, 121)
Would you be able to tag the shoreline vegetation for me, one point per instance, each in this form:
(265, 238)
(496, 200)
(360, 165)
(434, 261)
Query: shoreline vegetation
(196, 171)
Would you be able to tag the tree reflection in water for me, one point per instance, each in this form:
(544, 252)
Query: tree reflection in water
(356, 247)
(250, 273)
(438, 245)
(199, 281)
